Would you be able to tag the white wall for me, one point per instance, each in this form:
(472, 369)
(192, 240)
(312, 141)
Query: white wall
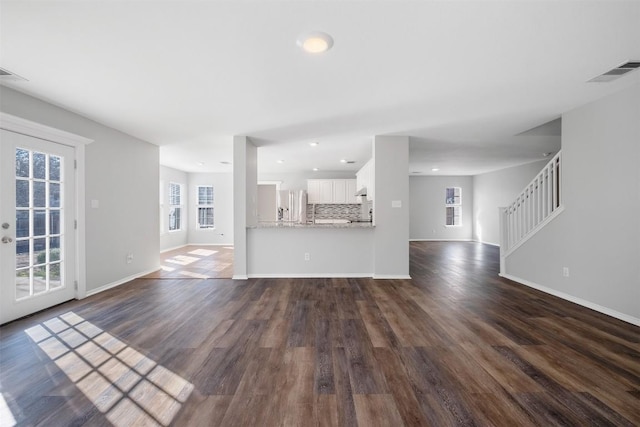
(494, 190)
(121, 173)
(245, 200)
(222, 233)
(176, 238)
(427, 216)
(598, 235)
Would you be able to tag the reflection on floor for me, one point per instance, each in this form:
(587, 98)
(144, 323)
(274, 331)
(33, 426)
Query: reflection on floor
(198, 262)
(126, 386)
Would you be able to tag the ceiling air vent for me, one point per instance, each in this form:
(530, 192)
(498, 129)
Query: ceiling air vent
(6, 75)
(615, 73)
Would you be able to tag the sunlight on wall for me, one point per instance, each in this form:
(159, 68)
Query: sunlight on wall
(125, 385)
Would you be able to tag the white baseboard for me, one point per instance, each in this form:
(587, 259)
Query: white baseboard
(497, 245)
(209, 244)
(308, 276)
(579, 301)
(239, 277)
(120, 282)
(172, 249)
(391, 276)
(440, 240)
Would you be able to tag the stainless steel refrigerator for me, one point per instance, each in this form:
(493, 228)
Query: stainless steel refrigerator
(292, 206)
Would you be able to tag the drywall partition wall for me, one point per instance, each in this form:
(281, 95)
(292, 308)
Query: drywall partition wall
(121, 183)
(222, 233)
(298, 181)
(494, 190)
(427, 215)
(391, 207)
(597, 237)
(171, 239)
(245, 192)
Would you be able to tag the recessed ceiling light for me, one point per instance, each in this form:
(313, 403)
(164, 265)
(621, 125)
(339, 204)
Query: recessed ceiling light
(315, 42)
(314, 144)
(343, 160)
(546, 154)
(435, 169)
(416, 172)
(280, 161)
(225, 163)
(316, 169)
(200, 163)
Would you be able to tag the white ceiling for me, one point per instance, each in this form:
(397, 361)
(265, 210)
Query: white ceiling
(463, 79)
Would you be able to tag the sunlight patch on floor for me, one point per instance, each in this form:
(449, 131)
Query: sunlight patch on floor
(203, 252)
(182, 260)
(6, 416)
(124, 384)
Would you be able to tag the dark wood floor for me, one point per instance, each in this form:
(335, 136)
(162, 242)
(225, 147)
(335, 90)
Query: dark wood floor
(457, 345)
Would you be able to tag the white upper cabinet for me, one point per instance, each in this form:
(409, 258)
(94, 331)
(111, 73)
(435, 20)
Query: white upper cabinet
(332, 191)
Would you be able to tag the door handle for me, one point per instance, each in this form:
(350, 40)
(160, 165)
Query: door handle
(6, 239)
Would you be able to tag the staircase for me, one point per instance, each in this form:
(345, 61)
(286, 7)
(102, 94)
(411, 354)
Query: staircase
(537, 205)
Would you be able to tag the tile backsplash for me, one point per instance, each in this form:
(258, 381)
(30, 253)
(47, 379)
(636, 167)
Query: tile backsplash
(352, 212)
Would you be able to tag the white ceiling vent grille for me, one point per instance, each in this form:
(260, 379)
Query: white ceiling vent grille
(6, 75)
(617, 72)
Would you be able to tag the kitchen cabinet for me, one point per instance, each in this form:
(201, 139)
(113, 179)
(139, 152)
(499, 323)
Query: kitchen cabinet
(332, 191)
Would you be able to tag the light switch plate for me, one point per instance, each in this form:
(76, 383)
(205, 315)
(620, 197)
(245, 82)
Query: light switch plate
(396, 203)
(95, 204)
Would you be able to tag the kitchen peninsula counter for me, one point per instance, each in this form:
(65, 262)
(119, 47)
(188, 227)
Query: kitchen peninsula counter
(289, 249)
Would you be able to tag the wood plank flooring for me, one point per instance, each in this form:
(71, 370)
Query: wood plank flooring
(456, 345)
(195, 262)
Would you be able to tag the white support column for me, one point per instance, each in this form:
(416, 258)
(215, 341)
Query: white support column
(245, 189)
(391, 207)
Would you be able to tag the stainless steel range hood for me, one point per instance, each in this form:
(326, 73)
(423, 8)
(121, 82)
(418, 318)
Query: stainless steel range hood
(361, 192)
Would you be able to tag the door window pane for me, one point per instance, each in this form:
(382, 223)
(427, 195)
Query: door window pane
(22, 253)
(22, 193)
(54, 222)
(22, 163)
(54, 276)
(39, 279)
(39, 194)
(22, 223)
(39, 251)
(54, 168)
(23, 281)
(54, 195)
(39, 222)
(39, 165)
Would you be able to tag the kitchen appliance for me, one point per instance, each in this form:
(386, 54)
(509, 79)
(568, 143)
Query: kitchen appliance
(292, 206)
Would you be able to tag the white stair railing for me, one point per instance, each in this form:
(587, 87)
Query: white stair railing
(538, 203)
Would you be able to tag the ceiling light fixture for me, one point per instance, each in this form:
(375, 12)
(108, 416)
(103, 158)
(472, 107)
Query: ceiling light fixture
(200, 163)
(315, 169)
(280, 161)
(314, 144)
(435, 169)
(224, 162)
(343, 160)
(546, 154)
(315, 42)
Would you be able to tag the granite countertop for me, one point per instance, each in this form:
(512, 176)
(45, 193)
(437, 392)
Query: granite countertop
(286, 224)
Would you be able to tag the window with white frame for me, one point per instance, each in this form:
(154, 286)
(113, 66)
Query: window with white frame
(204, 206)
(453, 206)
(175, 206)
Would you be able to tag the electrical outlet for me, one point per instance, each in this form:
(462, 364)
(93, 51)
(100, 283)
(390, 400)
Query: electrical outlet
(306, 256)
(565, 271)
(129, 258)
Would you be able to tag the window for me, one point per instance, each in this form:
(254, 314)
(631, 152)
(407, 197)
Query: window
(205, 206)
(175, 206)
(453, 206)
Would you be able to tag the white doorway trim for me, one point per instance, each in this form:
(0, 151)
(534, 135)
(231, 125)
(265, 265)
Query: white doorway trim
(27, 127)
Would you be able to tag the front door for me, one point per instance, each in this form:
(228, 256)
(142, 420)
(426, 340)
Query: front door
(37, 203)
